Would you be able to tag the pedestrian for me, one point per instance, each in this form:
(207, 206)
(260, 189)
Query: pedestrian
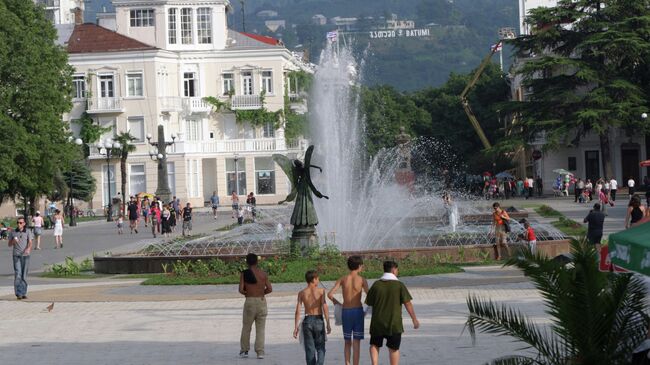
(386, 297)
(595, 221)
(240, 216)
(187, 219)
(590, 188)
(146, 206)
(520, 187)
(635, 212)
(539, 184)
(235, 204)
(176, 206)
(254, 284)
(214, 201)
(604, 201)
(352, 285)
(579, 187)
(500, 229)
(312, 298)
(526, 185)
(630, 186)
(172, 220)
(251, 203)
(38, 229)
(529, 236)
(21, 240)
(646, 182)
(120, 224)
(155, 212)
(58, 229)
(132, 211)
(165, 220)
(613, 187)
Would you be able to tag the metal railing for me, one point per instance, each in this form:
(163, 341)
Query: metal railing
(244, 102)
(170, 103)
(98, 105)
(196, 105)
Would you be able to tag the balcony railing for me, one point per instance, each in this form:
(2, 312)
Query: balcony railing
(236, 145)
(105, 105)
(49, 3)
(246, 102)
(196, 105)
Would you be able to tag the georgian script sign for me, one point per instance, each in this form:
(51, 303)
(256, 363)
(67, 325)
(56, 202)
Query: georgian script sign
(398, 33)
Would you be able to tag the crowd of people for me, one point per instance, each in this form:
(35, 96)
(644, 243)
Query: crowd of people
(162, 216)
(385, 299)
(510, 187)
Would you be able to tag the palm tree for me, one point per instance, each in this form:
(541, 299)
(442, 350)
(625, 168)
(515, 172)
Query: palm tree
(125, 139)
(596, 317)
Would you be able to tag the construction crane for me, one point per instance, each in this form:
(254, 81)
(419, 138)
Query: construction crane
(504, 33)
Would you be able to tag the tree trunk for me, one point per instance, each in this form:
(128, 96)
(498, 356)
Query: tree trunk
(123, 173)
(606, 154)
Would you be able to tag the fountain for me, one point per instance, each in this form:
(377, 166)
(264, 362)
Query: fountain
(395, 203)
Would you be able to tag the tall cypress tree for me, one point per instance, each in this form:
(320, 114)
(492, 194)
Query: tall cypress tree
(581, 65)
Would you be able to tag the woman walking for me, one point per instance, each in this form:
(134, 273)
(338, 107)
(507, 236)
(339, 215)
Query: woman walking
(58, 229)
(38, 229)
(235, 205)
(155, 218)
(635, 212)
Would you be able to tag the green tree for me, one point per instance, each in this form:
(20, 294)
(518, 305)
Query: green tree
(126, 146)
(596, 317)
(80, 182)
(582, 74)
(35, 91)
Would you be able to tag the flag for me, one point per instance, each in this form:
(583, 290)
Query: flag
(333, 35)
(496, 47)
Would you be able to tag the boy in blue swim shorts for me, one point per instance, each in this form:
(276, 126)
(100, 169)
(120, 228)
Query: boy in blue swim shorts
(352, 285)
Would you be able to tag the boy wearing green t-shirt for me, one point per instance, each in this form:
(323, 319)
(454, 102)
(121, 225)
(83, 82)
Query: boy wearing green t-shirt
(386, 297)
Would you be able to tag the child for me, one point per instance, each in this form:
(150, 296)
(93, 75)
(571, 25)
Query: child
(240, 216)
(313, 329)
(120, 224)
(529, 235)
(353, 284)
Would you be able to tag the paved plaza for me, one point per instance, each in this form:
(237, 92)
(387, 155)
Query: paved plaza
(118, 321)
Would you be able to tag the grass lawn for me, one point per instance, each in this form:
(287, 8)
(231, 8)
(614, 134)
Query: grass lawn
(548, 212)
(293, 271)
(570, 227)
(82, 275)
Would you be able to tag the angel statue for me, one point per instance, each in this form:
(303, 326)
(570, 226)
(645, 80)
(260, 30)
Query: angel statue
(304, 216)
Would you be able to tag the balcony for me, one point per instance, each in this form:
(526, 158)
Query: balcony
(105, 105)
(196, 105)
(246, 102)
(170, 103)
(236, 145)
(49, 3)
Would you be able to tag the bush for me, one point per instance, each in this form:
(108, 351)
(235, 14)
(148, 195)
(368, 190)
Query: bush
(218, 267)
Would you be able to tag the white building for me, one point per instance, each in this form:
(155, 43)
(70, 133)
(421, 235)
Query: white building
(61, 11)
(163, 58)
(583, 158)
(319, 19)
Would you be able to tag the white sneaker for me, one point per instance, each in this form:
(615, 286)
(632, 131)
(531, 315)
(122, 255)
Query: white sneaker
(260, 356)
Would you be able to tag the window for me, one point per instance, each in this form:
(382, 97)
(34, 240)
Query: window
(193, 178)
(142, 18)
(137, 180)
(193, 130)
(247, 82)
(236, 167)
(186, 26)
(111, 124)
(204, 25)
(171, 177)
(268, 130)
(136, 128)
(265, 175)
(171, 27)
(189, 84)
(108, 183)
(267, 82)
(228, 83)
(134, 84)
(573, 163)
(79, 84)
(106, 89)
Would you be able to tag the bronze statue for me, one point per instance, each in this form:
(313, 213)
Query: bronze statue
(304, 216)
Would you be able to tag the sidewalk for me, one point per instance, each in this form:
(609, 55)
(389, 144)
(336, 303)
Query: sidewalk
(207, 331)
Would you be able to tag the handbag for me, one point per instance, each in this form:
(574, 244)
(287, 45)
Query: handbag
(506, 225)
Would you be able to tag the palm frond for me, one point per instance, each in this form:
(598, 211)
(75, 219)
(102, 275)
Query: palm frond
(514, 360)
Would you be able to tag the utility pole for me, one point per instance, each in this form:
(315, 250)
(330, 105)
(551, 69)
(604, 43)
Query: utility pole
(243, 16)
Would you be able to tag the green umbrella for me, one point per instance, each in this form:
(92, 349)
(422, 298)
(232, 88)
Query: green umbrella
(562, 172)
(630, 249)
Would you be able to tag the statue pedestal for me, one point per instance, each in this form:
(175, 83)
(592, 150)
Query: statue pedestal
(302, 238)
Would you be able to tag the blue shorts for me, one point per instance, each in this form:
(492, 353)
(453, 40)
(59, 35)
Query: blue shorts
(353, 323)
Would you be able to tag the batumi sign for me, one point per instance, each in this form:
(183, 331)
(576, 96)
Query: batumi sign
(424, 32)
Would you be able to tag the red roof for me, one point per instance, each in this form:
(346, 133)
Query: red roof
(264, 39)
(89, 37)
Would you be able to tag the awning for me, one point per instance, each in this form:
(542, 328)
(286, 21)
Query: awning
(630, 249)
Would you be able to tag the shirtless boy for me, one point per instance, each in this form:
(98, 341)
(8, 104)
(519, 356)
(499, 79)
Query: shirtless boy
(352, 285)
(313, 329)
(254, 284)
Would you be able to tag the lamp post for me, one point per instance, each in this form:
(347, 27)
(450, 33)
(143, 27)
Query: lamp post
(73, 213)
(236, 158)
(109, 149)
(160, 154)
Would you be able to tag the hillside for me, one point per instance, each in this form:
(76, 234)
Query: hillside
(461, 32)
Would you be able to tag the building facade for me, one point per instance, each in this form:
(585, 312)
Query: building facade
(163, 58)
(61, 11)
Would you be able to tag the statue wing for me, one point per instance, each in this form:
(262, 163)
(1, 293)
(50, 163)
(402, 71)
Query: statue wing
(287, 166)
(308, 167)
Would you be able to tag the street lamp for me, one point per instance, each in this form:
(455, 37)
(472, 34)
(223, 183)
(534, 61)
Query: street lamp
(159, 153)
(236, 157)
(73, 213)
(109, 149)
